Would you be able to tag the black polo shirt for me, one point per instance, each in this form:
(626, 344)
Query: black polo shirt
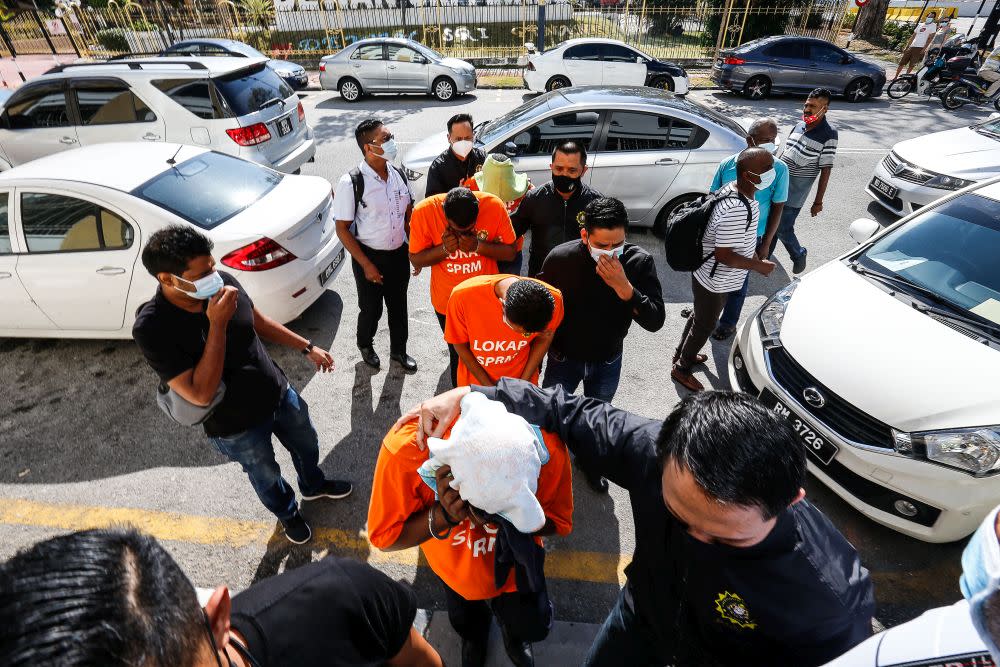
(447, 171)
(173, 340)
(335, 611)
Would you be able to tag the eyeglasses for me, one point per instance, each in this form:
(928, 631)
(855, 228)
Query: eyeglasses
(389, 138)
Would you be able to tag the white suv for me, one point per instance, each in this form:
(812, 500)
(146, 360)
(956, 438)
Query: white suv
(233, 105)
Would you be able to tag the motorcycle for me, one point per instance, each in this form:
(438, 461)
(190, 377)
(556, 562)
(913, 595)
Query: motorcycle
(942, 66)
(968, 90)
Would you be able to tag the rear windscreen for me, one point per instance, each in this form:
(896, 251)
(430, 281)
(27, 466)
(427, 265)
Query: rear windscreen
(209, 189)
(248, 90)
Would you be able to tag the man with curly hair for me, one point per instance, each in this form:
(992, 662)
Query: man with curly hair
(202, 334)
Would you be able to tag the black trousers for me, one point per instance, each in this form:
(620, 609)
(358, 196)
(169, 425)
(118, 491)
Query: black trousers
(394, 265)
(527, 617)
(700, 324)
(452, 354)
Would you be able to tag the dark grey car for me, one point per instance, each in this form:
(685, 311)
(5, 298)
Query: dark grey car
(292, 73)
(796, 65)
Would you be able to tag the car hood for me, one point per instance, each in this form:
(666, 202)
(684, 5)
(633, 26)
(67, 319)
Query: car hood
(962, 152)
(889, 360)
(420, 156)
(457, 64)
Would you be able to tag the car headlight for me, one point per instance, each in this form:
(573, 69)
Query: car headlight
(975, 450)
(772, 315)
(948, 182)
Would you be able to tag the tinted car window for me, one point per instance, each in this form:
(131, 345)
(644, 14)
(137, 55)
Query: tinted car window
(619, 54)
(39, 106)
(402, 54)
(630, 131)
(583, 52)
(184, 48)
(192, 94)
(247, 90)
(542, 139)
(55, 223)
(5, 245)
(209, 189)
(368, 52)
(792, 48)
(825, 54)
(103, 103)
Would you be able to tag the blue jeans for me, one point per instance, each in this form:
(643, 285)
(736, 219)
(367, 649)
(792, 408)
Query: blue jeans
(600, 378)
(624, 639)
(786, 234)
(253, 450)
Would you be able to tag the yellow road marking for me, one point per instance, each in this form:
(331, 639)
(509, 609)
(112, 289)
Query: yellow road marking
(590, 566)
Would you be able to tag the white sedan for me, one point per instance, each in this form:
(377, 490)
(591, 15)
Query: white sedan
(597, 62)
(72, 228)
(921, 170)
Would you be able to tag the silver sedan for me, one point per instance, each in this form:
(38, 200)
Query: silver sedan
(383, 65)
(652, 150)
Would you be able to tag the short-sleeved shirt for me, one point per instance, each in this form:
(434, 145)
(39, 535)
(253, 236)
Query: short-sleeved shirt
(380, 223)
(335, 611)
(776, 193)
(465, 560)
(922, 35)
(173, 340)
(427, 224)
(728, 227)
(808, 151)
(475, 316)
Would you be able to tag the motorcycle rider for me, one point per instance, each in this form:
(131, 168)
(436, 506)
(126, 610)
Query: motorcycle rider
(990, 71)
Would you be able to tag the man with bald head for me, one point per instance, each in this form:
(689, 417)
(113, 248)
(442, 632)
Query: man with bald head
(731, 242)
(771, 198)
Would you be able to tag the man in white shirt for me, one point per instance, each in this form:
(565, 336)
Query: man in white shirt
(374, 227)
(731, 241)
(913, 54)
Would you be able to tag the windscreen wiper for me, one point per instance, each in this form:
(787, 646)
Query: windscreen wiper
(270, 103)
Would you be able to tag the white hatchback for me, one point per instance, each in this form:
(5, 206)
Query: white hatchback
(885, 361)
(72, 227)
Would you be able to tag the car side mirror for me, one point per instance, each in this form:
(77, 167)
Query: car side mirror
(510, 149)
(639, 60)
(847, 60)
(863, 229)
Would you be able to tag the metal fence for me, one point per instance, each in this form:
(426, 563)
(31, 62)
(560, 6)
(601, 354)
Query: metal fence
(482, 30)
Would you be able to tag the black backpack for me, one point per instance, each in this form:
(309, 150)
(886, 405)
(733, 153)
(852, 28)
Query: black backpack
(686, 230)
(358, 182)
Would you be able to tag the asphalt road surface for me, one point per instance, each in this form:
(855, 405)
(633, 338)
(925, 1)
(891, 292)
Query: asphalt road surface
(82, 443)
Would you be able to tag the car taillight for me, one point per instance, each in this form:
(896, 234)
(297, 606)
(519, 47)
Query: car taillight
(250, 136)
(322, 67)
(731, 60)
(302, 113)
(258, 256)
(531, 66)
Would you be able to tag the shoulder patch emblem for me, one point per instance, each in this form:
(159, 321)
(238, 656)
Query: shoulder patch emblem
(581, 219)
(482, 235)
(732, 608)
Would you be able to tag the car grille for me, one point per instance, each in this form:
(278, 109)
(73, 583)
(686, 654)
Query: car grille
(905, 171)
(837, 414)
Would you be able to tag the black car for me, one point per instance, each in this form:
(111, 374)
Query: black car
(292, 73)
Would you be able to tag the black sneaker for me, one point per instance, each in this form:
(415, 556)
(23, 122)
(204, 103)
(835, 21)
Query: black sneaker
(799, 263)
(331, 488)
(296, 529)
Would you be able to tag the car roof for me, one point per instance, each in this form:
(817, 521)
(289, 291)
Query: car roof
(118, 165)
(181, 64)
(617, 95)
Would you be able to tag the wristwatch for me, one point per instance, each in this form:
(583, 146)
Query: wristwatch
(308, 348)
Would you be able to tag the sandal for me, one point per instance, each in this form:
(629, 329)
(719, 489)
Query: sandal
(686, 379)
(698, 358)
(723, 333)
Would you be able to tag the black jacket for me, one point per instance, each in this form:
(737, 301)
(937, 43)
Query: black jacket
(595, 320)
(447, 171)
(551, 219)
(800, 597)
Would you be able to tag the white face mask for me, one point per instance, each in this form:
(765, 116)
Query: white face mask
(597, 253)
(765, 179)
(462, 148)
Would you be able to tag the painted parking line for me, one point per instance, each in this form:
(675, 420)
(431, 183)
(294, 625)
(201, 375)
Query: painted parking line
(584, 566)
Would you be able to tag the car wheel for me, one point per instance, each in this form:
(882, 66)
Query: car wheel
(350, 90)
(557, 82)
(660, 226)
(859, 90)
(663, 83)
(757, 87)
(444, 89)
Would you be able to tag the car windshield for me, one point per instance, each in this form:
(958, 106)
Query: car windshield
(429, 51)
(209, 189)
(990, 128)
(949, 251)
(506, 123)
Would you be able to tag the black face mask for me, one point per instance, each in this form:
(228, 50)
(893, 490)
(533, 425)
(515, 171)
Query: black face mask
(566, 184)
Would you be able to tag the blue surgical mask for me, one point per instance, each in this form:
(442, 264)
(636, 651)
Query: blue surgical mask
(206, 287)
(980, 578)
(389, 150)
(765, 179)
(770, 147)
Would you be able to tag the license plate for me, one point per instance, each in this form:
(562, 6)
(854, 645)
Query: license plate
(325, 274)
(284, 126)
(883, 187)
(816, 445)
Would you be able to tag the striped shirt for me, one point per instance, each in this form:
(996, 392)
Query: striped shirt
(728, 228)
(808, 151)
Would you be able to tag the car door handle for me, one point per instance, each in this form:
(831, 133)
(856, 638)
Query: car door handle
(111, 270)
(67, 140)
(392, 67)
(149, 136)
(664, 161)
(4, 274)
(355, 64)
